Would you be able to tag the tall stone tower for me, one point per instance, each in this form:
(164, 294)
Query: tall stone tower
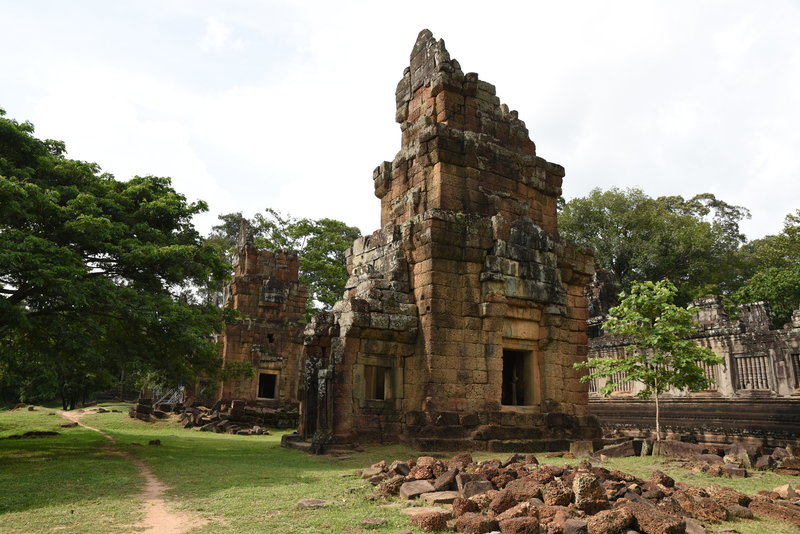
(463, 315)
(269, 331)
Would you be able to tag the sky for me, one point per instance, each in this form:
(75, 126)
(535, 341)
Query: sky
(249, 104)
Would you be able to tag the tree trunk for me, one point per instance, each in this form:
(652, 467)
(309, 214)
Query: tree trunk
(658, 422)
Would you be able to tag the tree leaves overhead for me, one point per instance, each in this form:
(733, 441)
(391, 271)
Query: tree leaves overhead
(635, 237)
(774, 265)
(92, 268)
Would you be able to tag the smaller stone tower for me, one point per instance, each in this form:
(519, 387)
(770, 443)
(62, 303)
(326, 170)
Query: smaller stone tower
(268, 334)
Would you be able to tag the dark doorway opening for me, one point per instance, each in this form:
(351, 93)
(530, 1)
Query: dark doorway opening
(267, 383)
(375, 379)
(516, 371)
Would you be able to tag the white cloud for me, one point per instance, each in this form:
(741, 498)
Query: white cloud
(218, 37)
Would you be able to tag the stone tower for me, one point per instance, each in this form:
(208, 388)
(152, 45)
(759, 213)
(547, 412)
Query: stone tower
(269, 331)
(463, 315)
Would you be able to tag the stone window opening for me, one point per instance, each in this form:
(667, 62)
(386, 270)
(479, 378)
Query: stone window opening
(376, 381)
(270, 338)
(796, 369)
(267, 385)
(516, 378)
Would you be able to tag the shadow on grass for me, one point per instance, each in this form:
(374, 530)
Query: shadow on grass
(62, 470)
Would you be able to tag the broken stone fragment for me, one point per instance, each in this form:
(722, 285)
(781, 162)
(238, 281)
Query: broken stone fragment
(440, 497)
(312, 503)
(475, 487)
(415, 488)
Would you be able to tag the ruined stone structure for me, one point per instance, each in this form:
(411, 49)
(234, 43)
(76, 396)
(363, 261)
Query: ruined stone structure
(756, 391)
(269, 332)
(463, 315)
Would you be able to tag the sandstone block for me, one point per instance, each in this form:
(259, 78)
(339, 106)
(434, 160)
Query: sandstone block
(415, 488)
(476, 487)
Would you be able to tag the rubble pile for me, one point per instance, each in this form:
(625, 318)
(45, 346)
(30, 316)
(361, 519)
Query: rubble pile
(238, 417)
(732, 461)
(520, 496)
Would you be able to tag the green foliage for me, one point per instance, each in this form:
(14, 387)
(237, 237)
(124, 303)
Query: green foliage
(95, 272)
(660, 353)
(635, 237)
(774, 263)
(320, 244)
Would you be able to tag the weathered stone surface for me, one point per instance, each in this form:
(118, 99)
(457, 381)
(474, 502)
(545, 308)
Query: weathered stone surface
(765, 508)
(786, 491)
(700, 507)
(313, 503)
(652, 521)
(727, 496)
(467, 274)
(415, 488)
(589, 493)
(431, 521)
(620, 450)
(446, 481)
(502, 502)
(732, 471)
(266, 291)
(610, 521)
(519, 525)
(476, 487)
(440, 497)
(556, 493)
(471, 523)
(462, 506)
(525, 488)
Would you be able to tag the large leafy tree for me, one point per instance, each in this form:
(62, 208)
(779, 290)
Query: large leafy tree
(774, 268)
(97, 273)
(659, 353)
(320, 243)
(636, 237)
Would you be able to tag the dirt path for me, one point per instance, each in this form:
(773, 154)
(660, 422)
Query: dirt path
(159, 518)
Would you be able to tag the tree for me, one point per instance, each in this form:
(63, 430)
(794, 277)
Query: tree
(320, 244)
(660, 352)
(96, 272)
(635, 237)
(774, 264)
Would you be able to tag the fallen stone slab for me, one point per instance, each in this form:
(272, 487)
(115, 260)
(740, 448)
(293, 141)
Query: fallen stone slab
(312, 503)
(440, 497)
(475, 487)
(415, 488)
(621, 450)
(411, 511)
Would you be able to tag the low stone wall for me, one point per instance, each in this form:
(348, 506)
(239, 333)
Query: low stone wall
(772, 421)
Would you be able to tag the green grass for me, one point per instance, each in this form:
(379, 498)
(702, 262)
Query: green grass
(66, 482)
(243, 484)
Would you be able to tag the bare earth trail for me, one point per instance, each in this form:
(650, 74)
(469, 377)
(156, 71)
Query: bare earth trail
(159, 518)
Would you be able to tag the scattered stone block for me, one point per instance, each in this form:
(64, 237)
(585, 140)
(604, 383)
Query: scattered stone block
(313, 503)
(610, 521)
(786, 491)
(620, 450)
(415, 488)
(471, 523)
(475, 487)
(440, 497)
(430, 521)
(373, 522)
(519, 525)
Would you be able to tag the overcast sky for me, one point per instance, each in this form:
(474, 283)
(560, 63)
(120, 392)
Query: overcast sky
(255, 104)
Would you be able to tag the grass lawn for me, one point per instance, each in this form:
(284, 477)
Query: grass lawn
(70, 483)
